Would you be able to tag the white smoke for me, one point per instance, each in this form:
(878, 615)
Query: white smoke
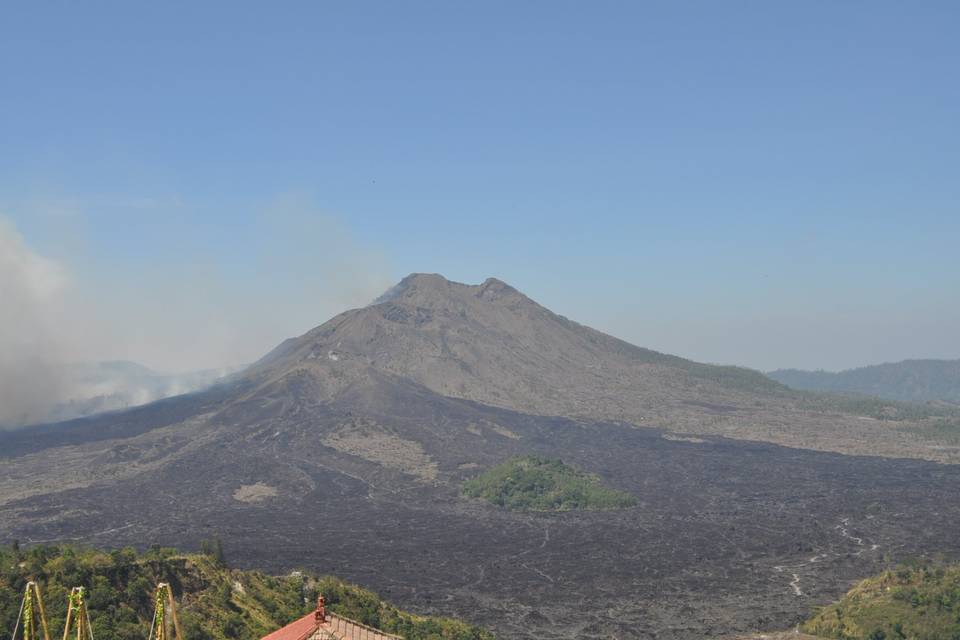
(67, 324)
(31, 294)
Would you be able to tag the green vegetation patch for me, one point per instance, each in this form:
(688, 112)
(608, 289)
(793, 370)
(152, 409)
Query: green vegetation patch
(878, 408)
(916, 602)
(531, 483)
(739, 378)
(214, 602)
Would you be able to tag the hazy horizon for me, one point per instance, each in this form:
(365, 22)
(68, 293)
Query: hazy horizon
(295, 316)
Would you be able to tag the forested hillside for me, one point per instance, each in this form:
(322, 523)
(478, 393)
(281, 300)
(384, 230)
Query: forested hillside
(907, 381)
(915, 602)
(214, 601)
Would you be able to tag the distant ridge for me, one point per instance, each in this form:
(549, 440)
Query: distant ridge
(907, 381)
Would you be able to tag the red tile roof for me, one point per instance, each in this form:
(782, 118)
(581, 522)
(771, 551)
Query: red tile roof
(296, 630)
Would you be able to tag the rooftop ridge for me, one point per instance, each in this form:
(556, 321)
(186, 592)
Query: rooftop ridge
(323, 625)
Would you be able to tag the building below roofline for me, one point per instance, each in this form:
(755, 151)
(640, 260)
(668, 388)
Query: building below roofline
(323, 625)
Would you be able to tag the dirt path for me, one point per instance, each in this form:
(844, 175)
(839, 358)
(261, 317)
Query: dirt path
(796, 569)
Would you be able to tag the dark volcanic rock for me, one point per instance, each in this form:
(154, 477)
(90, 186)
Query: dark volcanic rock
(344, 449)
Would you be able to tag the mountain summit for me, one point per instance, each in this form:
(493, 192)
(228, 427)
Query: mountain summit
(492, 344)
(419, 288)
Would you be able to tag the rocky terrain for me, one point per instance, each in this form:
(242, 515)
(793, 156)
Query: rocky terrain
(344, 451)
(774, 635)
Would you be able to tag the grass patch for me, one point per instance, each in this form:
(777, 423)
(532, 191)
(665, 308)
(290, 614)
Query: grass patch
(878, 408)
(532, 483)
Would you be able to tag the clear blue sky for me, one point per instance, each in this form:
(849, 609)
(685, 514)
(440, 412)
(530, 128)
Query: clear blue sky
(763, 183)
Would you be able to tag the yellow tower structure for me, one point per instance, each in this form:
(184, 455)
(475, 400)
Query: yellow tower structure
(32, 619)
(164, 612)
(77, 617)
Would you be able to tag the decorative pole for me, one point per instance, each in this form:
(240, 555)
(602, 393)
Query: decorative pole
(321, 614)
(162, 599)
(31, 598)
(77, 613)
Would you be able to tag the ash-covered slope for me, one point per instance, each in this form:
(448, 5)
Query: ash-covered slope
(490, 343)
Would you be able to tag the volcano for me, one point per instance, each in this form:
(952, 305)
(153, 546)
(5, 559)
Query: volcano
(344, 449)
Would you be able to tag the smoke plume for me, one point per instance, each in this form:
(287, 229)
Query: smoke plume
(31, 369)
(89, 331)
